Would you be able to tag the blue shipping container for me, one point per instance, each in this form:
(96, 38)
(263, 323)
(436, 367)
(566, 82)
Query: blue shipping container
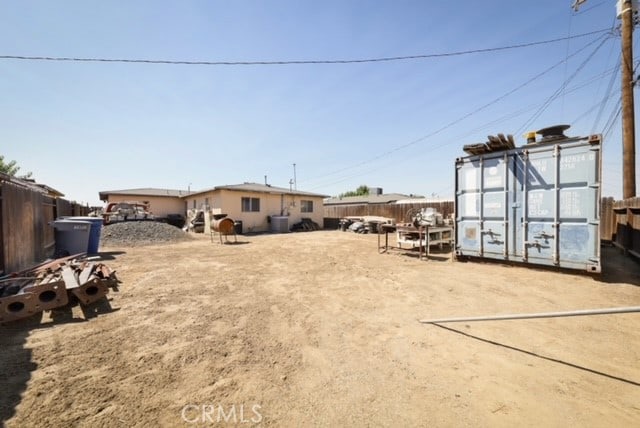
(536, 204)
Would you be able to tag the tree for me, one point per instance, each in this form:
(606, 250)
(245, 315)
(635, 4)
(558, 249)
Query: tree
(363, 190)
(11, 168)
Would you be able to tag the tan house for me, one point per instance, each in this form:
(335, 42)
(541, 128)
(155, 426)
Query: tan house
(259, 206)
(161, 202)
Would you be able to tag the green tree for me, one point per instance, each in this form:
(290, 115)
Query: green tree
(11, 168)
(363, 190)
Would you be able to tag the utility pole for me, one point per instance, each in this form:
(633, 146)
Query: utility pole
(627, 16)
(295, 181)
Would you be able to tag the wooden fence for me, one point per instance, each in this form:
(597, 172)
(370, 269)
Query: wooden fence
(26, 211)
(627, 225)
(400, 212)
(607, 220)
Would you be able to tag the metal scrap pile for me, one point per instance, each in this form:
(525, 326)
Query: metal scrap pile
(306, 225)
(54, 285)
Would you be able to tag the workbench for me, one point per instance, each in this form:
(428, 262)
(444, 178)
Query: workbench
(422, 237)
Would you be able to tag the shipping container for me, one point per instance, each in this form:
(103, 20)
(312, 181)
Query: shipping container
(537, 204)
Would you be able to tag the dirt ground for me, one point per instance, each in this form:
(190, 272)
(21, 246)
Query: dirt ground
(319, 329)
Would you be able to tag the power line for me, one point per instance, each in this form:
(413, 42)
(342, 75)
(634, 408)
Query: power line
(613, 119)
(607, 96)
(460, 119)
(558, 91)
(456, 137)
(297, 62)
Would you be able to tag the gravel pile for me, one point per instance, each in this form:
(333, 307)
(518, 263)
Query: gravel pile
(134, 233)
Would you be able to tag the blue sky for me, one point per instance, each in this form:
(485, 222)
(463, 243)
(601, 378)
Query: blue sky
(84, 127)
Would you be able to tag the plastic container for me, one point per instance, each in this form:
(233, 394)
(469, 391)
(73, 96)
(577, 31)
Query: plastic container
(96, 229)
(72, 237)
(238, 227)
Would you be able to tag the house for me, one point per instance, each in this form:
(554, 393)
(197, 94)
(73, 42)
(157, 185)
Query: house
(256, 204)
(161, 202)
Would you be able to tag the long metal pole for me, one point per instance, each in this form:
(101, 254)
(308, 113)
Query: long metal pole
(628, 124)
(604, 311)
(295, 179)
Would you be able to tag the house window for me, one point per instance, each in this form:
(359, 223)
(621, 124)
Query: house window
(306, 206)
(194, 204)
(250, 204)
(206, 203)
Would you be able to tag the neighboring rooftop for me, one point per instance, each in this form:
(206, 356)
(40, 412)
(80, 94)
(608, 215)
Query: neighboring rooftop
(366, 199)
(31, 183)
(260, 188)
(149, 191)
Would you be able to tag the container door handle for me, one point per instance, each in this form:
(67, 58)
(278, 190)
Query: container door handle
(544, 235)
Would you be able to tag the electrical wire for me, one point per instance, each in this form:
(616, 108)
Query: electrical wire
(296, 62)
(558, 91)
(592, 108)
(566, 63)
(458, 120)
(456, 137)
(607, 96)
(613, 119)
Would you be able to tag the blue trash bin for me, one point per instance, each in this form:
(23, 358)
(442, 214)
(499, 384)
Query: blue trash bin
(94, 236)
(72, 237)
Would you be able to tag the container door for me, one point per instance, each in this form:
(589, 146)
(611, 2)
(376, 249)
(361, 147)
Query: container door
(561, 194)
(468, 207)
(481, 206)
(579, 196)
(494, 208)
(540, 198)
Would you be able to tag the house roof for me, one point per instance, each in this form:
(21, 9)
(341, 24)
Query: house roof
(50, 190)
(260, 188)
(366, 199)
(149, 191)
(30, 183)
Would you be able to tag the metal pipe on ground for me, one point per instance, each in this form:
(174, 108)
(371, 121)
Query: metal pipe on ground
(584, 312)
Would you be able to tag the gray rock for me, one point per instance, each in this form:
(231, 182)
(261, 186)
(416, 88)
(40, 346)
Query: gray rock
(136, 233)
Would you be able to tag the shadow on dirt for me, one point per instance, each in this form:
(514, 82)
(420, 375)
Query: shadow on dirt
(618, 267)
(533, 354)
(15, 360)
(107, 255)
(236, 242)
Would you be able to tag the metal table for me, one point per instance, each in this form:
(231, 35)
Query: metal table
(422, 237)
